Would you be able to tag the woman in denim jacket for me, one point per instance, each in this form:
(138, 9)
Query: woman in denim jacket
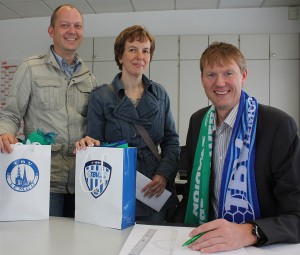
(134, 99)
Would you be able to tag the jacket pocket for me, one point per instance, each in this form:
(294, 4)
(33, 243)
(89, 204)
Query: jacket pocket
(56, 147)
(48, 94)
(56, 163)
(84, 91)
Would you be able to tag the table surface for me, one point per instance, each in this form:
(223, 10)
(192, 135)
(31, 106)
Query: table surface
(64, 236)
(59, 236)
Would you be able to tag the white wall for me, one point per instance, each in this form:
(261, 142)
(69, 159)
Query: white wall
(21, 38)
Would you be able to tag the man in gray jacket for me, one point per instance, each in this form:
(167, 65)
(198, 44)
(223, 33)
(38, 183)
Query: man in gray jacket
(51, 92)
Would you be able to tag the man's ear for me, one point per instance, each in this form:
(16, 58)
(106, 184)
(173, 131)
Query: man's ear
(50, 31)
(245, 75)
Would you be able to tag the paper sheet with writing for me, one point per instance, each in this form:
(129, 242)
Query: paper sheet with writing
(154, 202)
(167, 240)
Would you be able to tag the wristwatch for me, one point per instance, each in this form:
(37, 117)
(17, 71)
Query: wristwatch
(261, 237)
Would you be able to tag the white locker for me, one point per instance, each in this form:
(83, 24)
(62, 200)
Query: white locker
(192, 46)
(166, 73)
(258, 81)
(192, 95)
(284, 87)
(233, 39)
(166, 47)
(284, 46)
(86, 49)
(255, 46)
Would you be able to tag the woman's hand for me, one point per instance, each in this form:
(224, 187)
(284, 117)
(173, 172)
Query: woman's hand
(86, 142)
(156, 186)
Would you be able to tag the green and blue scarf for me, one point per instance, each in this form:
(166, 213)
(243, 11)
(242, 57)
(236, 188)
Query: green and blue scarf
(238, 200)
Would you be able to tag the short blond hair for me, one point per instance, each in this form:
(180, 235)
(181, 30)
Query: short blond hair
(221, 53)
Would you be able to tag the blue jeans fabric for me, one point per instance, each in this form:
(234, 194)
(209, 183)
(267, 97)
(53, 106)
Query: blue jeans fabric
(62, 205)
(56, 204)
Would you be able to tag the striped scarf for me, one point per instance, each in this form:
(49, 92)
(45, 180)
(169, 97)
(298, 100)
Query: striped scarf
(238, 196)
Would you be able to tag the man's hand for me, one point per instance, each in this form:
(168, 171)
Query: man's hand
(5, 141)
(156, 186)
(222, 235)
(86, 142)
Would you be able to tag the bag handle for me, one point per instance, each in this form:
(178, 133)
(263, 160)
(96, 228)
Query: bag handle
(21, 144)
(102, 171)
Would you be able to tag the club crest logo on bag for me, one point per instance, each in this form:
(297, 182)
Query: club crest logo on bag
(97, 176)
(22, 175)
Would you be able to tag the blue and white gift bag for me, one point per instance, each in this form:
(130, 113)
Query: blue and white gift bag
(105, 186)
(25, 183)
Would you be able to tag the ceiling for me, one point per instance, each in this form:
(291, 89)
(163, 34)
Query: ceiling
(16, 9)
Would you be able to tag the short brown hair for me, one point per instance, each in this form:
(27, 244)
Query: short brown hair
(222, 53)
(130, 34)
(54, 14)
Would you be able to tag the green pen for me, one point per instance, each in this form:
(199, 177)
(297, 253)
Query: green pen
(194, 238)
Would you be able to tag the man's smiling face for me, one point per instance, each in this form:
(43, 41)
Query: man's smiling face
(223, 85)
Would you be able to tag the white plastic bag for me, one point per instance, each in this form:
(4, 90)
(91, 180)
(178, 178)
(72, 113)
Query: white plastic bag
(105, 186)
(25, 183)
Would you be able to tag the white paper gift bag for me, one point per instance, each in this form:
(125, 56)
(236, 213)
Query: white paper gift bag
(105, 186)
(25, 183)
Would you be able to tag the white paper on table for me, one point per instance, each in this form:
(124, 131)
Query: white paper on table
(154, 202)
(167, 240)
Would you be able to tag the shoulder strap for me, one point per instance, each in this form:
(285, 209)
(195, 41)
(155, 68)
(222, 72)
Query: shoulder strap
(143, 132)
(146, 137)
(110, 86)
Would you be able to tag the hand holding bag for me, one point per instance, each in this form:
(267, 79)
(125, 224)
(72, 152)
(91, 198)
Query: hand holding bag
(25, 183)
(105, 186)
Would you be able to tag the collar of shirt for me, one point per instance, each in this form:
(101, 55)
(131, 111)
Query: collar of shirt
(148, 85)
(68, 69)
(230, 119)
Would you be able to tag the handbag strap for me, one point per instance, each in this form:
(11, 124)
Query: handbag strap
(146, 137)
(110, 86)
(143, 132)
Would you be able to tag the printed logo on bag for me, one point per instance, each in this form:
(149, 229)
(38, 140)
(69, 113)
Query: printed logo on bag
(22, 175)
(97, 177)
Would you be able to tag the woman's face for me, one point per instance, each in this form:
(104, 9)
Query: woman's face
(136, 58)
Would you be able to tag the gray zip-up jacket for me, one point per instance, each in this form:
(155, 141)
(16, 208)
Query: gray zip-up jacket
(45, 98)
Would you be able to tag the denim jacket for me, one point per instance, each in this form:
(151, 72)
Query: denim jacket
(111, 116)
(45, 98)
